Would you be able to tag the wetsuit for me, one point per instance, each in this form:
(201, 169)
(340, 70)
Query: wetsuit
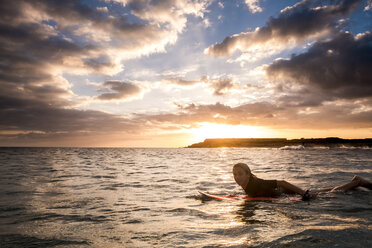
(257, 187)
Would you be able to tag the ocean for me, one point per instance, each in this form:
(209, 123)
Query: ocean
(134, 197)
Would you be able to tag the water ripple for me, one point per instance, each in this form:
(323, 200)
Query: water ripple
(115, 197)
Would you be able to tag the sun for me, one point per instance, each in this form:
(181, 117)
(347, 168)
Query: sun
(213, 130)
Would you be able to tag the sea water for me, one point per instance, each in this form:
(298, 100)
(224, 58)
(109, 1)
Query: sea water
(120, 197)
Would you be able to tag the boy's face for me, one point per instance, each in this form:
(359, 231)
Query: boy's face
(241, 176)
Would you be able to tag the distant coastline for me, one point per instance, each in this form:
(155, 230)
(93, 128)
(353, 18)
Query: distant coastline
(283, 142)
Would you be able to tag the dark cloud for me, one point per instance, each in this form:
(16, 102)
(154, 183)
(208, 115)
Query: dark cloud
(41, 40)
(222, 86)
(252, 114)
(298, 23)
(31, 54)
(338, 67)
(181, 82)
(72, 15)
(22, 125)
(99, 63)
(29, 115)
(272, 115)
(122, 90)
(247, 113)
(219, 86)
(30, 121)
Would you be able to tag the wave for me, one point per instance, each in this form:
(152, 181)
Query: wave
(299, 147)
(193, 212)
(17, 240)
(355, 147)
(348, 237)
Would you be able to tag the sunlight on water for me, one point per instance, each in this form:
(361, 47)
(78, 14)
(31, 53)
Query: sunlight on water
(148, 198)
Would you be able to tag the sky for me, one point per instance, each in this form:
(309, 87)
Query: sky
(169, 73)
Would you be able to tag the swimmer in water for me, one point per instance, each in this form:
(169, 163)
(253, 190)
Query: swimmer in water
(257, 187)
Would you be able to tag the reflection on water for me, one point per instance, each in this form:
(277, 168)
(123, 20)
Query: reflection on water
(247, 212)
(148, 198)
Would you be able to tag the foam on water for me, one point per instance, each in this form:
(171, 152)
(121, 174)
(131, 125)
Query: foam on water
(75, 197)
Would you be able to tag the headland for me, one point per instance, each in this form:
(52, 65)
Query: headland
(332, 142)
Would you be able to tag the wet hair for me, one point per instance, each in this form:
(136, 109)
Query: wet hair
(245, 167)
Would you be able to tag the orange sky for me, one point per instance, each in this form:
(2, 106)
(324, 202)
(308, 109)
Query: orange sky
(171, 73)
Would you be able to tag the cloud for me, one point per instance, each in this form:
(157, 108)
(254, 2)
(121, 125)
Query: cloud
(168, 11)
(42, 41)
(181, 82)
(294, 25)
(251, 114)
(344, 114)
(219, 86)
(122, 91)
(45, 42)
(35, 116)
(253, 5)
(334, 68)
(368, 6)
(147, 28)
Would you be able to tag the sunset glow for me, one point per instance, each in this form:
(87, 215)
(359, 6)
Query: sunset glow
(163, 73)
(212, 130)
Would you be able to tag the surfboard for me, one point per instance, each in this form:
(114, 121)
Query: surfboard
(207, 196)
